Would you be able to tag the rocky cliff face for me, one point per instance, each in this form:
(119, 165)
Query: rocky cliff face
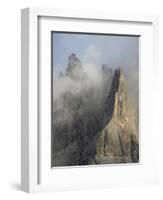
(95, 122)
(118, 141)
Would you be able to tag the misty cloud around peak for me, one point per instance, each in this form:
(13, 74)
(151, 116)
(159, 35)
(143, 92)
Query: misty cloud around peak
(87, 81)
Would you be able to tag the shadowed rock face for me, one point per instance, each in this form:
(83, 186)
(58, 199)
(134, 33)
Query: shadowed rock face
(74, 67)
(97, 125)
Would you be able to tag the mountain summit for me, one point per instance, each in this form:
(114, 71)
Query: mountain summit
(118, 141)
(74, 66)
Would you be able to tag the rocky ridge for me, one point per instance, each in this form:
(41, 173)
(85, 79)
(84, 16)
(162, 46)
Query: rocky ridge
(94, 126)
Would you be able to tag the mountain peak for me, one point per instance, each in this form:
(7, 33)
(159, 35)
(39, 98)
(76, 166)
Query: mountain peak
(120, 99)
(118, 94)
(118, 140)
(72, 56)
(74, 66)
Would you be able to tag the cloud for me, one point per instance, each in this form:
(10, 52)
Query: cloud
(91, 54)
(79, 88)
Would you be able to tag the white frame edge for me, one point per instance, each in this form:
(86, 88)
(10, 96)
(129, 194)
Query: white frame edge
(29, 89)
(29, 79)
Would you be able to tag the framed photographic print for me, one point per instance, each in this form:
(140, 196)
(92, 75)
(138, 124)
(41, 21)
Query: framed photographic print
(88, 118)
(95, 106)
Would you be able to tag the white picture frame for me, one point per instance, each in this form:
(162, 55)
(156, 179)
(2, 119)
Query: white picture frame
(36, 173)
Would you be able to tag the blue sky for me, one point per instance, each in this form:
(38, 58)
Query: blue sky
(115, 51)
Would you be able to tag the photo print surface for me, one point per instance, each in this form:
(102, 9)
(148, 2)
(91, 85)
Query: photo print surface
(95, 99)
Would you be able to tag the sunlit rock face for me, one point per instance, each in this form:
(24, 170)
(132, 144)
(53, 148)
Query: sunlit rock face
(118, 141)
(93, 120)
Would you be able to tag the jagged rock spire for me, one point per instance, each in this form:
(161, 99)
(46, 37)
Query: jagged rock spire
(118, 141)
(120, 97)
(95, 125)
(74, 66)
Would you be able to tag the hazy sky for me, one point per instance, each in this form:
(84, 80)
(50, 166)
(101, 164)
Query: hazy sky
(116, 51)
